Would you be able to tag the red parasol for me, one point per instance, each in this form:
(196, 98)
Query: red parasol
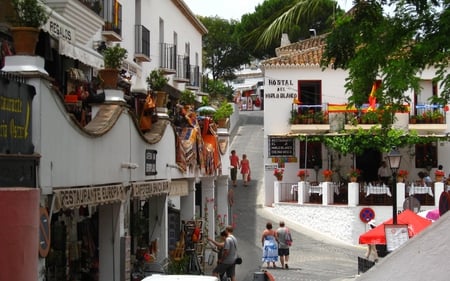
(415, 224)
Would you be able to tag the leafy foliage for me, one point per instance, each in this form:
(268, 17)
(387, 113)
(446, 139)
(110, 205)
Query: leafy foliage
(306, 14)
(114, 56)
(358, 140)
(218, 90)
(157, 80)
(373, 44)
(221, 49)
(29, 13)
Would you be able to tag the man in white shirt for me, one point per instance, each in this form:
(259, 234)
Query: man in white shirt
(384, 173)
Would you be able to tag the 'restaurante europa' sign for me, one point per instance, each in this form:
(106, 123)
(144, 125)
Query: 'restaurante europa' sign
(76, 197)
(280, 89)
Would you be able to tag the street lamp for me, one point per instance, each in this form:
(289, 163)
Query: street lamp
(394, 158)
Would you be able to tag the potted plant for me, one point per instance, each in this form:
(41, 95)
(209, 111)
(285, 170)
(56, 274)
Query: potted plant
(278, 173)
(29, 16)
(327, 174)
(222, 113)
(401, 175)
(156, 81)
(353, 174)
(113, 58)
(187, 97)
(302, 174)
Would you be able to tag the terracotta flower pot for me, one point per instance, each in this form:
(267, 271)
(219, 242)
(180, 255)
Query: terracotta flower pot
(25, 40)
(110, 77)
(353, 179)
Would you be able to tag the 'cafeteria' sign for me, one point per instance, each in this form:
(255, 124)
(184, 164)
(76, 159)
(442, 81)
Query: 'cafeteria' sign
(281, 146)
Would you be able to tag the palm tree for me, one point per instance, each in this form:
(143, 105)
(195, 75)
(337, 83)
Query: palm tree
(297, 12)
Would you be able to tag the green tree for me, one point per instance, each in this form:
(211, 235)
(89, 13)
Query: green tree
(306, 14)
(221, 49)
(394, 47)
(218, 91)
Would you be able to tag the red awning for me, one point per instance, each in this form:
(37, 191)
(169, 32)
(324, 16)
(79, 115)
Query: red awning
(415, 224)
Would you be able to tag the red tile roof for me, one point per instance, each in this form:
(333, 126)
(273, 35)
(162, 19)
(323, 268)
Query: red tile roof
(303, 53)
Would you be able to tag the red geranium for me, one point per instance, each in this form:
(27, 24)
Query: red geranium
(403, 173)
(327, 173)
(439, 173)
(302, 173)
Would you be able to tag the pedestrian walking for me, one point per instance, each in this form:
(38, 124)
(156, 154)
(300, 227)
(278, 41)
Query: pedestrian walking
(270, 245)
(245, 169)
(284, 242)
(229, 254)
(371, 248)
(235, 163)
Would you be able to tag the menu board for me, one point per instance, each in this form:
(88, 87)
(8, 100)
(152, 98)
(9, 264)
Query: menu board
(396, 235)
(281, 146)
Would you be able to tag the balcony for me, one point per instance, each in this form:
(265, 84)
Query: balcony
(141, 44)
(112, 32)
(93, 5)
(85, 14)
(326, 118)
(168, 58)
(194, 78)
(183, 69)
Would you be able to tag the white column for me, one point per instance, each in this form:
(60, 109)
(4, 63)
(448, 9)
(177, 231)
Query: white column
(438, 189)
(222, 196)
(353, 194)
(303, 192)
(327, 193)
(400, 194)
(208, 202)
(276, 191)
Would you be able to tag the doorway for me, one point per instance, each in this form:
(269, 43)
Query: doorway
(369, 168)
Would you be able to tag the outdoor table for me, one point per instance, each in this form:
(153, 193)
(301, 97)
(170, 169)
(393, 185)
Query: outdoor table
(375, 189)
(420, 190)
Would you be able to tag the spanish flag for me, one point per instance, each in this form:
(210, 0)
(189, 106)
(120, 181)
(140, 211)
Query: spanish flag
(372, 98)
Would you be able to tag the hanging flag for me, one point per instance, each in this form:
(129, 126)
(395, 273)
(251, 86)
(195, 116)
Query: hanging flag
(372, 98)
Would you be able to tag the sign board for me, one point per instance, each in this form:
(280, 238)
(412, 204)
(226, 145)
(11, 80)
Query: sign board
(396, 235)
(281, 146)
(270, 167)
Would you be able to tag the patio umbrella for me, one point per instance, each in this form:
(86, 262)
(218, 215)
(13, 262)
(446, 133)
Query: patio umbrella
(415, 224)
(206, 108)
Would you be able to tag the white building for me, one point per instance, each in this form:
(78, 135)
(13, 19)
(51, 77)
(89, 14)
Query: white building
(302, 101)
(113, 192)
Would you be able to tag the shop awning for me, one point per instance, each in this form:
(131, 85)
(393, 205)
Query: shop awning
(75, 197)
(88, 57)
(143, 190)
(179, 188)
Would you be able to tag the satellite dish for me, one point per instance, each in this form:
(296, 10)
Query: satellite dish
(411, 203)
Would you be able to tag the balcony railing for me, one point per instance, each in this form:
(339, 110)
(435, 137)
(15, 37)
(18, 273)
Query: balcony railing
(319, 114)
(194, 77)
(141, 43)
(94, 5)
(309, 114)
(428, 114)
(112, 30)
(168, 56)
(183, 71)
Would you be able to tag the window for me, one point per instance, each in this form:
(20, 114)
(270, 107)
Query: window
(313, 153)
(310, 92)
(426, 155)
